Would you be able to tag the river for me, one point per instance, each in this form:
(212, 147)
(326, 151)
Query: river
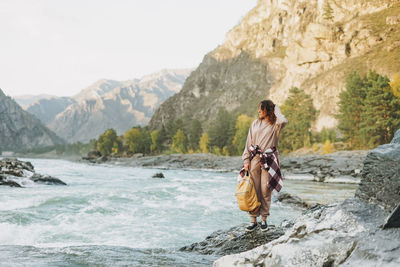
(114, 215)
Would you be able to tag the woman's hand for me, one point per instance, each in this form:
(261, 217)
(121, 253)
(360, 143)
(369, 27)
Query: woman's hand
(246, 166)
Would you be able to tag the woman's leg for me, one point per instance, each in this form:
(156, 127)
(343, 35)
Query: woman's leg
(266, 195)
(255, 174)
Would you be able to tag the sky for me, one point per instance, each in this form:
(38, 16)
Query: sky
(59, 47)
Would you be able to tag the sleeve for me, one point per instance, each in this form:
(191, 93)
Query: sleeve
(246, 154)
(280, 118)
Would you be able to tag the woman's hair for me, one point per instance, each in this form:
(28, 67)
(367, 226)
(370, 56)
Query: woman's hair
(269, 107)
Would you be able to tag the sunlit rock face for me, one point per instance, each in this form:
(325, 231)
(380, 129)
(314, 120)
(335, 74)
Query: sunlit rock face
(118, 105)
(19, 129)
(281, 44)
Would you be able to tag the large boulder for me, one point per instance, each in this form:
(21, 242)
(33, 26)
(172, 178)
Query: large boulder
(236, 240)
(347, 234)
(380, 181)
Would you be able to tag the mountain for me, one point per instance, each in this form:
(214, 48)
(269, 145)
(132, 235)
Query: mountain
(312, 45)
(46, 109)
(96, 90)
(20, 129)
(113, 104)
(26, 100)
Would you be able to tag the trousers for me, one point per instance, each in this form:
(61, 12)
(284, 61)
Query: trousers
(260, 178)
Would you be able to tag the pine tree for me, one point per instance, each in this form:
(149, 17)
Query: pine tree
(195, 134)
(380, 113)
(351, 102)
(300, 112)
(222, 129)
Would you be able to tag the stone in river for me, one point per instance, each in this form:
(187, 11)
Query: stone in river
(158, 175)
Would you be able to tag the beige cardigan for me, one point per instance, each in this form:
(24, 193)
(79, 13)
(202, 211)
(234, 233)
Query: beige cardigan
(263, 134)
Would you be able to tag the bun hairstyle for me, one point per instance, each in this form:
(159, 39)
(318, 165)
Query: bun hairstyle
(269, 107)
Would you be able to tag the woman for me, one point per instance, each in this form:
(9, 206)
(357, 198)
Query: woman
(260, 157)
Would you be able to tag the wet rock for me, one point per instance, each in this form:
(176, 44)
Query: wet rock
(347, 234)
(380, 182)
(5, 181)
(292, 200)
(14, 172)
(45, 179)
(235, 240)
(95, 156)
(158, 175)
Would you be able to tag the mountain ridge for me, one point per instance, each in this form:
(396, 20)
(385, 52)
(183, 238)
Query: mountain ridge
(299, 47)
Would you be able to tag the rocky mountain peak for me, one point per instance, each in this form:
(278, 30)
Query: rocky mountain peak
(97, 89)
(312, 45)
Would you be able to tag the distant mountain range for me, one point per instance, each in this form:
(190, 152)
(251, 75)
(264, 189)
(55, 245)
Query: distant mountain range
(20, 129)
(106, 104)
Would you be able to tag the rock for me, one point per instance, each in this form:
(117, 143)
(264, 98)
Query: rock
(380, 182)
(37, 178)
(94, 154)
(13, 170)
(102, 159)
(345, 234)
(235, 240)
(292, 200)
(392, 20)
(4, 181)
(338, 167)
(394, 219)
(158, 175)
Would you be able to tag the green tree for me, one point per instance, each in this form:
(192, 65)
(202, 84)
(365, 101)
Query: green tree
(351, 102)
(138, 140)
(117, 145)
(195, 134)
(155, 141)
(300, 112)
(204, 143)
(179, 142)
(243, 123)
(380, 116)
(326, 134)
(106, 142)
(222, 129)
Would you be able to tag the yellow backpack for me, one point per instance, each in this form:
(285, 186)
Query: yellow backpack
(246, 194)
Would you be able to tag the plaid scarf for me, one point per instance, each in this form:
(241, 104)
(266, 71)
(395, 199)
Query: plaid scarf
(269, 161)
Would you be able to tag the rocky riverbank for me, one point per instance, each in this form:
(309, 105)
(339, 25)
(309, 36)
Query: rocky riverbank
(338, 167)
(16, 173)
(349, 233)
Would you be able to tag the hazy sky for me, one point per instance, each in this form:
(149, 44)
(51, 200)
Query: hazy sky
(60, 47)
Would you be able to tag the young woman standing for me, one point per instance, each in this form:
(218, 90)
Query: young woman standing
(260, 157)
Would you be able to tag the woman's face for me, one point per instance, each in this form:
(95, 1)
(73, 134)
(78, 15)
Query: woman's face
(262, 113)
